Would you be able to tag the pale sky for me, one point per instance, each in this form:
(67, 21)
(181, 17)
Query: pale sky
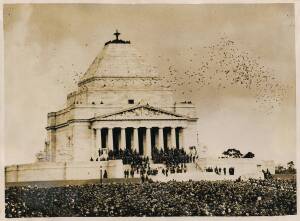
(46, 45)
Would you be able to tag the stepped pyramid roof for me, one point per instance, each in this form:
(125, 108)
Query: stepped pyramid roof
(119, 59)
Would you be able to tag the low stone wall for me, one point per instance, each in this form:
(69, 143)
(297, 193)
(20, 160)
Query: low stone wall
(48, 171)
(244, 167)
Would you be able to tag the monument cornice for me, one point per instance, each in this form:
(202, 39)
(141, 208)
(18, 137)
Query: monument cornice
(145, 113)
(91, 120)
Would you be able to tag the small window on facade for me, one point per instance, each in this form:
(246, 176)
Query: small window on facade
(130, 101)
(93, 102)
(101, 102)
(231, 171)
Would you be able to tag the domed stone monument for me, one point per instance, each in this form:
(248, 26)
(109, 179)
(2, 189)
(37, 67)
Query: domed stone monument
(121, 103)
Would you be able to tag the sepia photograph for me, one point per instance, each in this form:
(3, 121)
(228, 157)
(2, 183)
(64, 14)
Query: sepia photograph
(149, 110)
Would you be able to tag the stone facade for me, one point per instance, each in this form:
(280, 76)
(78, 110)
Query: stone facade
(120, 100)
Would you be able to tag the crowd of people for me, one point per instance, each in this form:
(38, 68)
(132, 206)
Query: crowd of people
(168, 156)
(174, 159)
(140, 172)
(220, 170)
(193, 198)
(145, 172)
(172, 156)
(128, 156)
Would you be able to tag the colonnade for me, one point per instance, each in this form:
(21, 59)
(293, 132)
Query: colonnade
(139, 139)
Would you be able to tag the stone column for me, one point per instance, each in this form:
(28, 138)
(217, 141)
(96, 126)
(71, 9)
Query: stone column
(181, 137)
(147, 149)
(173, 138)
(160, 138)
(135, 140)
(98, 141)
(184, 139)
(93, 141)
(110, 139)
(123, 139)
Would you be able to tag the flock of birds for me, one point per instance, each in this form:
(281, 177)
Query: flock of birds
(64, 79)
(219, 66)
(222, 66)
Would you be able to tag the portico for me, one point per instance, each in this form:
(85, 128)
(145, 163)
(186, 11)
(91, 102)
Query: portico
(139, 139)
(140, 128)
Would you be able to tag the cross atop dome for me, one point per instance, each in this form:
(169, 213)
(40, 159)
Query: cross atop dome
(117, 34)
(117, 40)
